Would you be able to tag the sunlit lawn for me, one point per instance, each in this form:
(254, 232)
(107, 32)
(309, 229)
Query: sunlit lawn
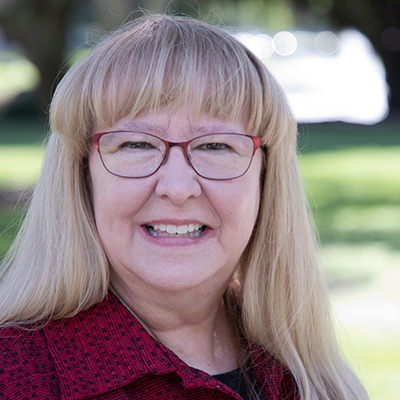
(21, 154)
(352, 176)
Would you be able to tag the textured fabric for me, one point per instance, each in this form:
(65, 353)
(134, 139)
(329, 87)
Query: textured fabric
(104, 353)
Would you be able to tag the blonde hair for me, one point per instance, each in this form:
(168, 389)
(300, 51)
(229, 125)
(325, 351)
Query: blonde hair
(57, 267)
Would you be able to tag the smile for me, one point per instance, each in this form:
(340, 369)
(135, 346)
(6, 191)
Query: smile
(189, 230)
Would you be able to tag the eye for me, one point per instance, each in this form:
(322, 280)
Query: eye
(137, 145)
(214, 146)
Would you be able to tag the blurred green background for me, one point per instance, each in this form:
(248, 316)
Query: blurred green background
(351, 171)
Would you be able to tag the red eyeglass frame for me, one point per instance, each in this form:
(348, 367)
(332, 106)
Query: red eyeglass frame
(184, 145)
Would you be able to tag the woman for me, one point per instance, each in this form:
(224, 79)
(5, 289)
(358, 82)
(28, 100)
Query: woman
(167, 251)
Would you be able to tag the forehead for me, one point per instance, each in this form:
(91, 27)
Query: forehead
(179, 124)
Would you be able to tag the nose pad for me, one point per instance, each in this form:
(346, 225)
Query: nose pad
(184, 151)
(176, 158)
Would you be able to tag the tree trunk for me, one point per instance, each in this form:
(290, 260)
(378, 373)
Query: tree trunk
(40, 27)
(392, 64)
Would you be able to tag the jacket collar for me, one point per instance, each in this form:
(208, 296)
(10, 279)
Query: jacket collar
(105, 348)
(102, 349)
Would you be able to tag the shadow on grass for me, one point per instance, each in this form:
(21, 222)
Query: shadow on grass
(22, 131)
(339, 135)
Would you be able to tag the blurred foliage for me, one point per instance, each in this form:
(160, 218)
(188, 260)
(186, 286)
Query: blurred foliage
(40, 27)
(272, 15)
(49, 29)
(16, 73)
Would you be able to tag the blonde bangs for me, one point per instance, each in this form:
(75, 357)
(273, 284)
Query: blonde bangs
(156, 63)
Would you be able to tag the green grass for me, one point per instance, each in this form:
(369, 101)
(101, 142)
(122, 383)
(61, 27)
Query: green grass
(352, 177)
(10, 218)
(375, 358)
(21, 152)
(355, 193)
(22, 173)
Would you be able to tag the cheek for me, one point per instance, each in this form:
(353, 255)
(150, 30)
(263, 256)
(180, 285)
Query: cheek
(237, 204)
(249, 203)
(249, 193)
(248, 208)
(115, 200)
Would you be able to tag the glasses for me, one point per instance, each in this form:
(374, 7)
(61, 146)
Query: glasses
(138, 155)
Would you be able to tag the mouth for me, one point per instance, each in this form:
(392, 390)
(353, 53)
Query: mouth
(187, 230)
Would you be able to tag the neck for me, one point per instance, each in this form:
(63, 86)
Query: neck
(195, 325)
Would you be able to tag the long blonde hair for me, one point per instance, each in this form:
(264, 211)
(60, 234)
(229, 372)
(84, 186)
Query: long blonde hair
(57, 267)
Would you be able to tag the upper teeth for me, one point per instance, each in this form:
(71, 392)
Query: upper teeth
(176, 229)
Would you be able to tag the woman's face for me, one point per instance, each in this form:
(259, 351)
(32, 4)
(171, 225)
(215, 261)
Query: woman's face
(175, 195)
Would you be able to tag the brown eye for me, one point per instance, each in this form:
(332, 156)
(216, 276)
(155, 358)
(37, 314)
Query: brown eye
(137, 145)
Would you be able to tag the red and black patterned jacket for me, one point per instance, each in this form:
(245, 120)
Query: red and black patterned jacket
(104, 353)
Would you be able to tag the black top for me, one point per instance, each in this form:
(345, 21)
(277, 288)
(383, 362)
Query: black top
(237, 382)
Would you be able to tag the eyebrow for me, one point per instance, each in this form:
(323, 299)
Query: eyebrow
(142, 127)
(213, 128)
(159, 129)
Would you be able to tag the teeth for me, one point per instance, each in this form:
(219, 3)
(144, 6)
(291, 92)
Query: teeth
(193, 230)
(171, 229)
(181, 229)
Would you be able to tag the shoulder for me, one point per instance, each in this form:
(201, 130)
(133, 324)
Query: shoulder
(275, 379)
(20, 344)
(25, 362)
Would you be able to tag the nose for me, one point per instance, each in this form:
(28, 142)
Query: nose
(177, 180)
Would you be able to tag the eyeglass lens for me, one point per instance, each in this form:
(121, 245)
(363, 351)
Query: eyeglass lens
(215, 156)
